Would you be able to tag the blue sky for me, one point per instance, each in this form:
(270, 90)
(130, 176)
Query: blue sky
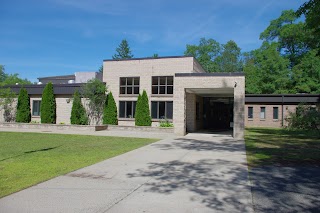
(59, 37)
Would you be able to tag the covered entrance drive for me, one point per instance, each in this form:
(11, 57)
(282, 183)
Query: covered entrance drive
(209, 101)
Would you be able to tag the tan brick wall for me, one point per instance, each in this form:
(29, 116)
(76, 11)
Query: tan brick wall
(145, 69)
(268, 121)
(63, 108)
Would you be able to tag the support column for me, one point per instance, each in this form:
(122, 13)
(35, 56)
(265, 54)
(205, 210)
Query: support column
(179, 111)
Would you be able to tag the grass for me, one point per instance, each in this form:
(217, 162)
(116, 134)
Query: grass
(30, 158)
(266, 146)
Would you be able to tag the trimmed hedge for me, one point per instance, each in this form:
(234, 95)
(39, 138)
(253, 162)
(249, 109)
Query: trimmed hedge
(48, 105)
(142, 114)
(23, 114)
(110, 113)
(78, 112)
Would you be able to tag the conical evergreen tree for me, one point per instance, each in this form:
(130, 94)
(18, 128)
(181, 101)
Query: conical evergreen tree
(142, 116)
(123, 51)
(23, 107)
(110, 114)
(78, 112)
(48, 105)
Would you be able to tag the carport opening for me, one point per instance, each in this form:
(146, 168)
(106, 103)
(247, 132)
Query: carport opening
(210, 110)
(217, 114)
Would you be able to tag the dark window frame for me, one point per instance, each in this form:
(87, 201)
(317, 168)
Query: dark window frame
(276, 113)
(158, 110)
(250, 114)
(158, 87)
(38, 107)
(133, 109)
(126, 86)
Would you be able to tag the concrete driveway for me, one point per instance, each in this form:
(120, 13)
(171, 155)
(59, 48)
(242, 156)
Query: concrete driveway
(195, 173)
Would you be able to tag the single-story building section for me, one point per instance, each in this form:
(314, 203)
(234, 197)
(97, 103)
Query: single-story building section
(180, 91)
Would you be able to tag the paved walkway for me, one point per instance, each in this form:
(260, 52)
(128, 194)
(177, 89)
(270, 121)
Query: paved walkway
(195, 173)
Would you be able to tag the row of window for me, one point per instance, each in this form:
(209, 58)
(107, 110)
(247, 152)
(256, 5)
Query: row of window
(160, 85)
(263, 113)
(159, 109)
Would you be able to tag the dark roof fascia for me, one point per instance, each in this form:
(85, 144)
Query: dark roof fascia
(282, 98)
(58, 77)
(147, 58)
(217, 74)
(37, 89)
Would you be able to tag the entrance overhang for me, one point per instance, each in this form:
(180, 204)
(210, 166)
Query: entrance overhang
(208, 85)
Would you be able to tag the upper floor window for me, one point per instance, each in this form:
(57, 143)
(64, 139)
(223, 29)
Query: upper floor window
(36, 108)
(162, 85)
(129, 85)
(250, 112)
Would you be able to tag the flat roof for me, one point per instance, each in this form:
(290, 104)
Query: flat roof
(58, 77)
(281, 98)
(147, 58)
(223, 74)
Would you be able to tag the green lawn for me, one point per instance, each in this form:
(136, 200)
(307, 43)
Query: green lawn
(266, 146)
(30, 158)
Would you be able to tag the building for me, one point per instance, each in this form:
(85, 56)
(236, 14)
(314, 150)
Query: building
(180, 91)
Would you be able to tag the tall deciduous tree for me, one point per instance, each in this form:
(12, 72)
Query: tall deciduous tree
(110, 115)
(78, 112)
(270, 70)
(123, 51)
(229, 60)
(95, 93)
(291, 35)
(205, 53)
(306, 74)
(311, 10)
(142, 114)
(48, 105)
(23, 114)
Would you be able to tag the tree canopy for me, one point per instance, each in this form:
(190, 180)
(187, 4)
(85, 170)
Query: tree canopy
(11, 79)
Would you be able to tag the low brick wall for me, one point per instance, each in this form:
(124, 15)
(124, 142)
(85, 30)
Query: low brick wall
(54, 126)
(142, 128)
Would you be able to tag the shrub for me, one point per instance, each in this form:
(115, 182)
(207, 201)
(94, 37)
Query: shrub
(48, 105)
(7, 97)
(23, 114)
(95, 92)
(306, 117)
(142, 114)
(165, 123)
(110, 114)
(78, 112)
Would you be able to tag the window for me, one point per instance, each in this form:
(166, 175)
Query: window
(276, 113)
(161, 109)
(129, 86)
(36, 108)
(262, 113)
(250, 112)
(162, 85)
(127, 109)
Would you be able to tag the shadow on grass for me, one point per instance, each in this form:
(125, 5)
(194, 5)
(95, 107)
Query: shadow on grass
(281, 147)
(32, 151)
(286, 189)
